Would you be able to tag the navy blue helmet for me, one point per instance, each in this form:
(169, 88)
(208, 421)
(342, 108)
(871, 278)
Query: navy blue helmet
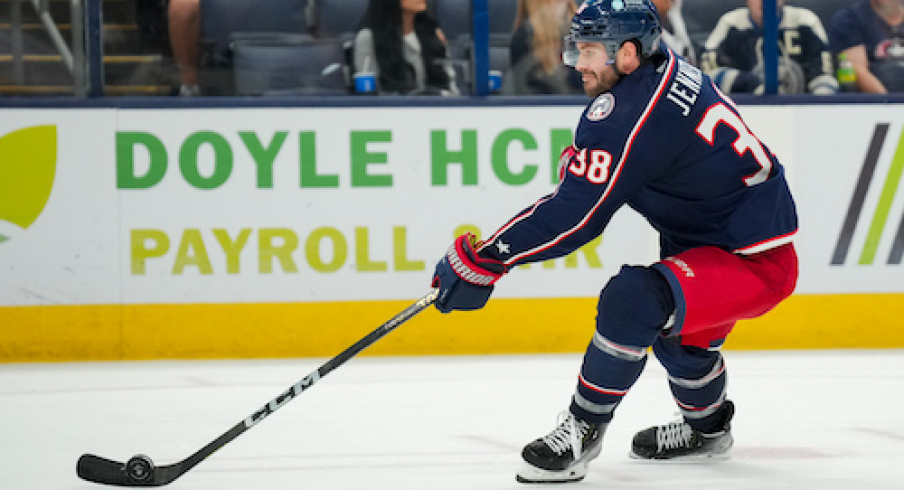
(611, 23)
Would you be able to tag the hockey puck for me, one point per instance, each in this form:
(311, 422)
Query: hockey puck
(140, 468)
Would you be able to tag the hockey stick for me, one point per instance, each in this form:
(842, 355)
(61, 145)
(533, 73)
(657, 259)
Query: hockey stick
(139, 471)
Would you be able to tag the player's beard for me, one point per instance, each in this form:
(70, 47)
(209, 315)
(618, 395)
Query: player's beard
(600, 82)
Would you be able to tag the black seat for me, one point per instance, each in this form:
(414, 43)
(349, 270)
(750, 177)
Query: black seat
(223, 21)
(340, 20)
(290, 65)
(501, 16)
(500, 56)
(500, 52)
(454, 17)
(337, 18)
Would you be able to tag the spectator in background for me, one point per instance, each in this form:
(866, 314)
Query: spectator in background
(674, 32)
(185, 33)
(733, 54)
(404, 47)
(535, 49)
(870, 33)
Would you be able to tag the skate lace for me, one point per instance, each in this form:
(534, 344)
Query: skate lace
(674, 435)
(569, 434)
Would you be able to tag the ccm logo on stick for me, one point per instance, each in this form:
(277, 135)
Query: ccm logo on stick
(281, 400)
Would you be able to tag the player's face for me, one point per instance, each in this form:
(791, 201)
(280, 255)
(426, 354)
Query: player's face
(595, 68)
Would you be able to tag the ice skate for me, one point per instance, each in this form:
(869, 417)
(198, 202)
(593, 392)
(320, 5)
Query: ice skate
(563, 454)
(678, 440)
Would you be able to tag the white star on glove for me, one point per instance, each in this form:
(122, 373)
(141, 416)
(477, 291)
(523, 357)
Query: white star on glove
(502, 247)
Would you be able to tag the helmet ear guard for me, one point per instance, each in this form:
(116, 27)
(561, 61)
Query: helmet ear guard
(612, 23)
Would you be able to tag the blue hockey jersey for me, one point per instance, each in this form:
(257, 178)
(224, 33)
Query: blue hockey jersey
(667, 143)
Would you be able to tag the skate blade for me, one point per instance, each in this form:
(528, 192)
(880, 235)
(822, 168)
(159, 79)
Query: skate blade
(531, 474)
(718, 452)
(690, 458)
(696, 458)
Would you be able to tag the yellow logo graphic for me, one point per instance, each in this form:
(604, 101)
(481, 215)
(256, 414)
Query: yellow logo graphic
(27, 168)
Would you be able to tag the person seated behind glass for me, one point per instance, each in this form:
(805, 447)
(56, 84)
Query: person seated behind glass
(733, 54)
(535, 50)
(674, 32)
(403, 46)
(184, 18)
(870, 33)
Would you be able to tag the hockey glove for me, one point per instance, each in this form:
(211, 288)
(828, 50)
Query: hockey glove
(465, 280)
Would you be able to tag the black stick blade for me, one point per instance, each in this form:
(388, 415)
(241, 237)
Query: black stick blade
(108, 472)
(101, 470)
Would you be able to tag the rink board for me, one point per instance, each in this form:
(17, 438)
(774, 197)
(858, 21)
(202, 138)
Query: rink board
(274, 232)
(63, 333)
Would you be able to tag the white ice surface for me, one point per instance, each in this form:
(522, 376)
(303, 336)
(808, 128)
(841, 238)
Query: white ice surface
(805, 421)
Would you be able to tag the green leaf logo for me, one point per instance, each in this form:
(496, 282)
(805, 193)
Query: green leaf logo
(27, 168)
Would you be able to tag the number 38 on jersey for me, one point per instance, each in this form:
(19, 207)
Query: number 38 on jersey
(592, 164)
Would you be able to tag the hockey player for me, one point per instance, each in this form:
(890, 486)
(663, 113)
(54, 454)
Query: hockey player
(733, 53)
(659, 137)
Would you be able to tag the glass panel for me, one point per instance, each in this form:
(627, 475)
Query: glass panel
(280, 47)
(526, 42)
(136, 53)
(732, 55)
(41, 50)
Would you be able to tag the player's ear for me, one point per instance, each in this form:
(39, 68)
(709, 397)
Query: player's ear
(628, 56)
(629, 48)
